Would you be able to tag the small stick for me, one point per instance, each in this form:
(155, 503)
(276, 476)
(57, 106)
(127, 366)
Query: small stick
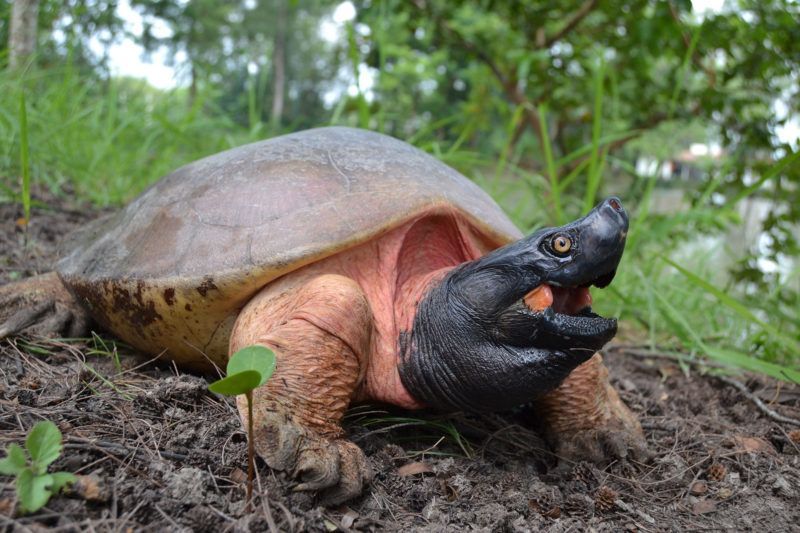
(757, 401)
(251, 466)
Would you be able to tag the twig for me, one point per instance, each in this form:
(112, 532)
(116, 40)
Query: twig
(167, 518)
(757, 401)
(576, 18)
(80, 443)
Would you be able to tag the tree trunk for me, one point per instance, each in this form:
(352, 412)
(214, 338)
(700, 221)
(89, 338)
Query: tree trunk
(279, 64)
(22, 37)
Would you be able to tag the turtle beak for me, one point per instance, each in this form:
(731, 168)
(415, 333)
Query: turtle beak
(556, 314)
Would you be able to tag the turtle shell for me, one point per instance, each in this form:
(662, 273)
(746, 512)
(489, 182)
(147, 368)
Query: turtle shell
(179, 261)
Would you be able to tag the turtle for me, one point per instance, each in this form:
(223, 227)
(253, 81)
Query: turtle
(374, 272)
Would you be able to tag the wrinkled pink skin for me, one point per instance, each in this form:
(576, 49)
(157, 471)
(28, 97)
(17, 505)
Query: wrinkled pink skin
(334, 326)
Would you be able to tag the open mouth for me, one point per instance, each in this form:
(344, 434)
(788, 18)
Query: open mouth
(573, 301)
(563, 318)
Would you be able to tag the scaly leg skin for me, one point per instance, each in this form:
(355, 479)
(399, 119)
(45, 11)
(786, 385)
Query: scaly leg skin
(41, 305)
(586, 419)
(320, 333)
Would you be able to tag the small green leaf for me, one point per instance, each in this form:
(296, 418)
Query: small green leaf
(33, 491)
(14, 461)
(258, 358)
(60, 480)
(238, 383)
(44, 444)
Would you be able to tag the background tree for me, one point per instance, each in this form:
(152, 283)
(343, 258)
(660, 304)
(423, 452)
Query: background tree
(24, 26)
(609, 73)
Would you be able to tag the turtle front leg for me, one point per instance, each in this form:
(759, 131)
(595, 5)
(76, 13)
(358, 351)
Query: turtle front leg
(586, 419)
(320, 332)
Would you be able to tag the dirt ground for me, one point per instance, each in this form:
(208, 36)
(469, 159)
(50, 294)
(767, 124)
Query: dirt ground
(158, 452)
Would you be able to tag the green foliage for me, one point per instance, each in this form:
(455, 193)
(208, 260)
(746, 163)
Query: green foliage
(441, 429)
(247, 369)
(104, 139)
(34, 485)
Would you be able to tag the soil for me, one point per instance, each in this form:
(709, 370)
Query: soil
(156, 451)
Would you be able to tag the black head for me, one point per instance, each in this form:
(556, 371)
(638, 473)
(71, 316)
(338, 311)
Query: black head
(548, 285)
(500, 330)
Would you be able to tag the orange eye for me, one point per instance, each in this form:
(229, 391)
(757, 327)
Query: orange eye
(561, 244)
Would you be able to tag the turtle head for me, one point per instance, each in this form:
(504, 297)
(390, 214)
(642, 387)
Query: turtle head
(555, 267)
(501, 330)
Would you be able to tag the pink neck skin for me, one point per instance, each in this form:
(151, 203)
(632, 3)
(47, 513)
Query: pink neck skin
(383, 381)
(421, 254)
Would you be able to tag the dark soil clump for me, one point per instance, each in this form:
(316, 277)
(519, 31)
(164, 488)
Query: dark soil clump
(157, 451)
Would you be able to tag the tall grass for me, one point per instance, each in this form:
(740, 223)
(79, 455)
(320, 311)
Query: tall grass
(105, 139)
(24, 159)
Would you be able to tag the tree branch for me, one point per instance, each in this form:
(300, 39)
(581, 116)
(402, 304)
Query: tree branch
(509, 83)
(710, 74)
(576, 18)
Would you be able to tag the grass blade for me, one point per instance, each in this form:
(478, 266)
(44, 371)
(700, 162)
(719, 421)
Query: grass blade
(773, 172)
(733, 304)
(681, 81)
(555, 190)
(593, 178)
(24, 159)
(742, 360)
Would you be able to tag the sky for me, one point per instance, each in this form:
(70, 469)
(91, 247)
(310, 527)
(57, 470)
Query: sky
(126, 58)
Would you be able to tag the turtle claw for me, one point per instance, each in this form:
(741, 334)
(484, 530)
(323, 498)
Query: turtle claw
(336, 468)
(602, 446)
(355, 473)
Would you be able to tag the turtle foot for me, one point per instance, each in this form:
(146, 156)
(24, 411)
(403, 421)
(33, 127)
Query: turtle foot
(602, 445)
(336, 468)
(614, 435)
(40, 305)
(586, 420)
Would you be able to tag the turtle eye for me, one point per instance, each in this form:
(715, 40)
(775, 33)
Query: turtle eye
(561, 244)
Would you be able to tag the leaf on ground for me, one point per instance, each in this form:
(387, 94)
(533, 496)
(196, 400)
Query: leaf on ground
(44, 444)
(90, 488)
(414, 468)
(753, 445)
(14, 462)
(699, 488)
(238, 476)
(349, 519)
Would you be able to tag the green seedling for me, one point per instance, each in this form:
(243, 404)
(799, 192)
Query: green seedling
(34, 484)
(247, 369)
